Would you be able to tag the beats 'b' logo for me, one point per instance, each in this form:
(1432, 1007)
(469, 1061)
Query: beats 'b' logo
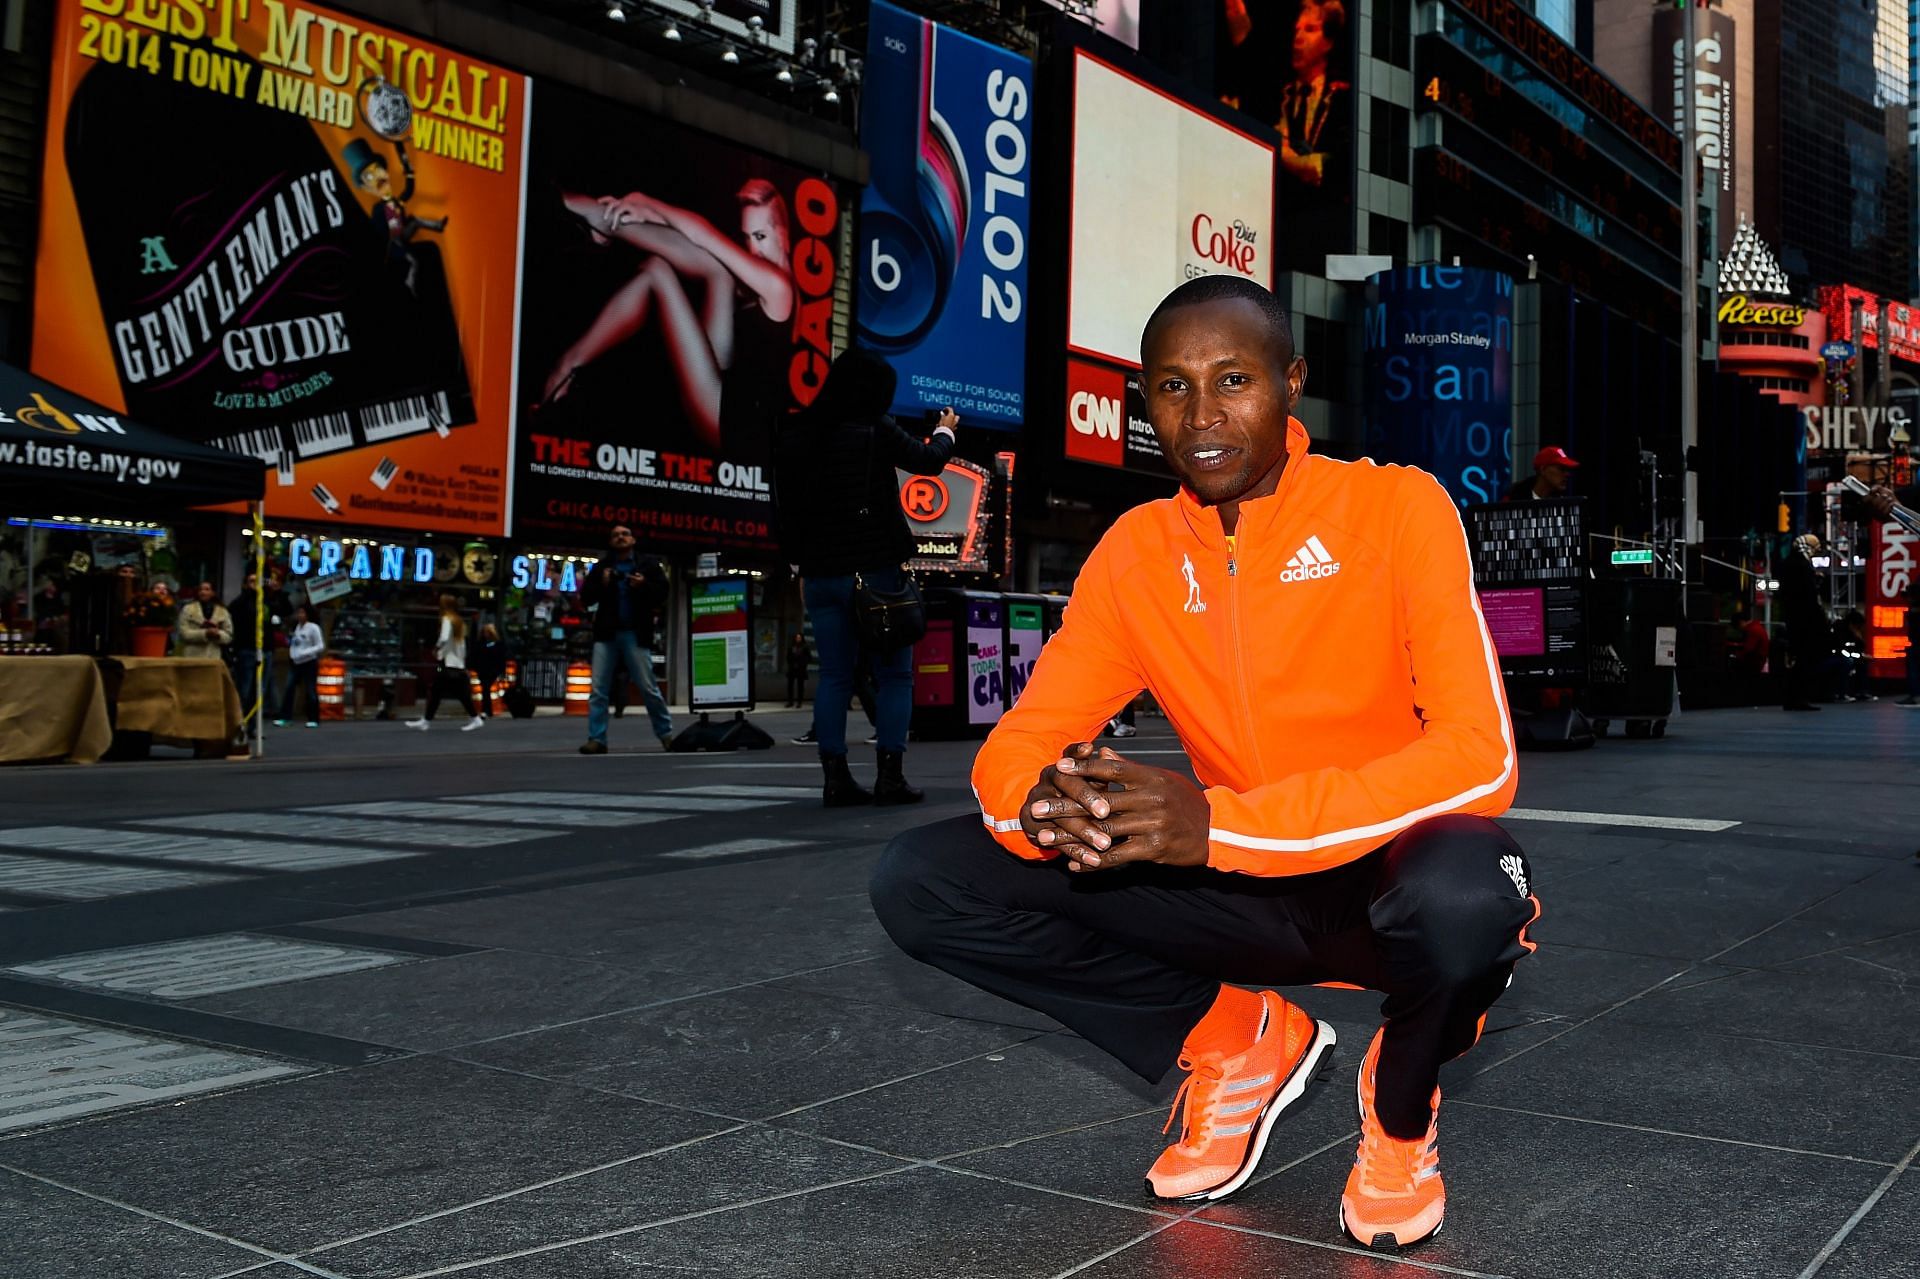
(1096, 414)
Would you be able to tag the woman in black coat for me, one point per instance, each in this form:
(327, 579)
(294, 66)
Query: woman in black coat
(838, 506)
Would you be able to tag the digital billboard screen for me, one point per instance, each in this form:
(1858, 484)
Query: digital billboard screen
(292, 234)
(677, 306)
(1290, 65)
(1162, 193)
(942, 265)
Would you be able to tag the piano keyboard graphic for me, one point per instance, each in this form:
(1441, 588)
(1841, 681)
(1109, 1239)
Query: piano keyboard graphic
(348, 428)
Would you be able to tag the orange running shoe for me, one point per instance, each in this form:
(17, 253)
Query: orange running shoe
(1233, 1103)
(1394, 1196)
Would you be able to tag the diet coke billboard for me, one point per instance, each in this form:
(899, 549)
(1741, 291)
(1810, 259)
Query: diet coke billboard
(1195, 197)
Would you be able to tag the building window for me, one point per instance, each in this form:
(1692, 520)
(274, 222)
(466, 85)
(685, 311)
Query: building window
(1386, 236)
(1393, 32)
(1392, 145)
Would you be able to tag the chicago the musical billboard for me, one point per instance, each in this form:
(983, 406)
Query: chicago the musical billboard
(677, 304)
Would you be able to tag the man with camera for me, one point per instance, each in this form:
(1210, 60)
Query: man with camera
(624, 590)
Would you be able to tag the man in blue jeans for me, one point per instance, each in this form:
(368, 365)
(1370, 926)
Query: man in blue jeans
(624, 591)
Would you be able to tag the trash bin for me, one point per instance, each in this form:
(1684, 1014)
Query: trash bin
(1633, 632)
(1026, 632)
(959, 665)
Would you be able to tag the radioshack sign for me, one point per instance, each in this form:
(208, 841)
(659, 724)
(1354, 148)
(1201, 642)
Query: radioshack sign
(948, 515)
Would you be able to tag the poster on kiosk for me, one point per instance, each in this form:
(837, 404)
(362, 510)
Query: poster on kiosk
(722, 648)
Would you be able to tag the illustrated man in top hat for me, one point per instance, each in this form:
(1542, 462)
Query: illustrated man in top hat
(390, 211)
(1552, 470)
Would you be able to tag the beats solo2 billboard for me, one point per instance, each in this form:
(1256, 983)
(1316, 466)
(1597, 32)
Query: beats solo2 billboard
(942, 266)
(1440, 376)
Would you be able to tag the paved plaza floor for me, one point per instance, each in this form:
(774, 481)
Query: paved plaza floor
(389, 1005)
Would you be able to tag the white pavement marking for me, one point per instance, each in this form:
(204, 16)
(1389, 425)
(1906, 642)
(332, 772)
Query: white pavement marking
(52, 1069)
(89, 881)
(522, 816)
(206, 965)
(254, 854)
(370, 830)
(749, 763)
(583, 799)
(1617, 819)
(735, 847)
(748, 792)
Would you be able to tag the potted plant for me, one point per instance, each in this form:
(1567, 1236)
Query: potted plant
(151, 615)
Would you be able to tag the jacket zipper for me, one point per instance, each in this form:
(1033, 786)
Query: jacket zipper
(1239, 653)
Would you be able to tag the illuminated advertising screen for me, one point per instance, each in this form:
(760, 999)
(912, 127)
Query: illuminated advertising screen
(678, 304)
(293, 234)
(1290, 65)
(1440, 375)
(1162, 193)
(942, 273)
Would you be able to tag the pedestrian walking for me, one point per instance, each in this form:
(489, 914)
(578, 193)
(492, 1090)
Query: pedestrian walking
(489, 662)
(1344, 835)
(1809, 633)
(799, 657)
(838, 504)
(304, 646)
(625, 590)
(251, 654)
(450, 670)
(203, 627)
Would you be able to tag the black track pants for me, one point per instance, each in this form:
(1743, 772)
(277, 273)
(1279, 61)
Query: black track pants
(1132, 958)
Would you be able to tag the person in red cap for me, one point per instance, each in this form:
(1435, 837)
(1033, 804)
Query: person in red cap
(1552, 468)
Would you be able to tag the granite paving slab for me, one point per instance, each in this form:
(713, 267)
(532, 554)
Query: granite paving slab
(1775, 1094)
(50, 1231)
(321, 1158)
(738, 1166)
(442, 1003)
(747, 1053)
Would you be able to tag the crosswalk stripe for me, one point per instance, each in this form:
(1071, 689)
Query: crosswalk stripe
(479, 812)
(89, 881)
(370, 830)
(568, 799)
(252, 854)
(734, 847)
(747, 792)
(52, 1069)
(207, 965)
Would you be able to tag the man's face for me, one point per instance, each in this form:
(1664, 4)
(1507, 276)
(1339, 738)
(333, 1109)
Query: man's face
(205, 593)
(374, 178)
(251, 583)
(622, 539)
(1555, 478)
(1311, 47)
(1219, 388)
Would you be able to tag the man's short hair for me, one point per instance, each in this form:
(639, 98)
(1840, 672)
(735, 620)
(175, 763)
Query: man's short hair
(1216, 288)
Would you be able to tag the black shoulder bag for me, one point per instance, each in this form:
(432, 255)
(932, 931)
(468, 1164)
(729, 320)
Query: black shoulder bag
(885, 620)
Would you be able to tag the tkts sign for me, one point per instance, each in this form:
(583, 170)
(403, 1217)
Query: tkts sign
(1896, 558)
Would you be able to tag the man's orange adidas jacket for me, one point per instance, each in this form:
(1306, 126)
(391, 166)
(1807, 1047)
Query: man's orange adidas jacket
(1328, 670)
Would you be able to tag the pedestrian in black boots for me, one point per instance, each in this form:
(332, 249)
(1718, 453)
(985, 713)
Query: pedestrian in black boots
(837, 501)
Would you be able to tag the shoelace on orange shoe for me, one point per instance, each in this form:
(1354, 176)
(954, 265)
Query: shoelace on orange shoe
(1394, 1166)
(1208, 1068)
